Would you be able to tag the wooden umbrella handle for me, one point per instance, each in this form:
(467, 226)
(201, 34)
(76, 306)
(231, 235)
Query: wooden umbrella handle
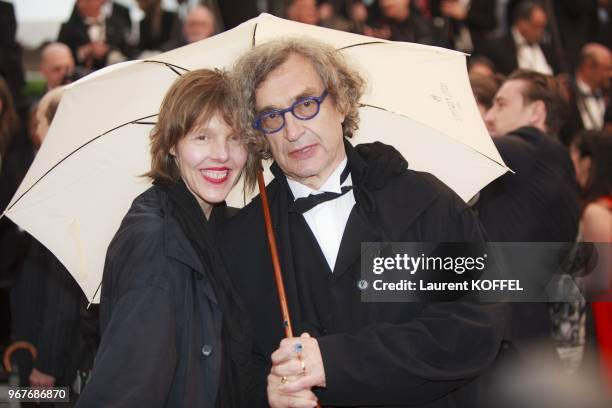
(18, 345)
(278, 276)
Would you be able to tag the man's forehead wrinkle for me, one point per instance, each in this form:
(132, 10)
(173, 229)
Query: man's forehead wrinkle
(308, 91)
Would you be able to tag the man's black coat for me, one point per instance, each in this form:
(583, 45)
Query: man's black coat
(503, 52)
(375, 354)
(539, 203)
(74, 33)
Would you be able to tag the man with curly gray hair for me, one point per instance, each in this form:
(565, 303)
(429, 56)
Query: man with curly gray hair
(300, 104)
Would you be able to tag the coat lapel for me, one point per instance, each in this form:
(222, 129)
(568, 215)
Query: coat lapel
(178, 247)
(358, 229)
(382, 215)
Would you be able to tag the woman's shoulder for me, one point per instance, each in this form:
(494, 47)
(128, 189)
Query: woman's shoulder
(136, 255)
(143, 226)
(597, 223)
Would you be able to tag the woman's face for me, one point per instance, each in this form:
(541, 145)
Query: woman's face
(582, 166)
(210, 159)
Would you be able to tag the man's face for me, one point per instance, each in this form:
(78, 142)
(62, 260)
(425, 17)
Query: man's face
(199, 24)
(303, 11)
(307, 151)
(395, 9)
(90, 8)
(56, 66)
(602, 71)
(509, 111)
(533, 29)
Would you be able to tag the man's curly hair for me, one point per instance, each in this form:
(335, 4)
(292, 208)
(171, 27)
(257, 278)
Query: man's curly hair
(344, 85)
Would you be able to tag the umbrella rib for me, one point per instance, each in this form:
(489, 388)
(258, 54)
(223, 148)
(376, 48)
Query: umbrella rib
(136, 121)
(95, 293)
(172, 67)
(254, 32)
(365, 105)
(363, 43)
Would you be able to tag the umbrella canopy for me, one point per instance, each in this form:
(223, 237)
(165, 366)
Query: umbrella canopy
(88, 170)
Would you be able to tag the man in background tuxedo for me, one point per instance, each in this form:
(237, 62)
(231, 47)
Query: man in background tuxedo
(96, 37)
(589, 91)
(465, 24)
(539, 201)
(324, 205)
(525, 45)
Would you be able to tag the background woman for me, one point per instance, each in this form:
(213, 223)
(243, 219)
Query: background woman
(591, 153)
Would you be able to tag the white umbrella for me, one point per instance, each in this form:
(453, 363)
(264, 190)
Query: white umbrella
(89, 168)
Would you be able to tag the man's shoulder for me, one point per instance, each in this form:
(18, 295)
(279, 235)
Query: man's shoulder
(251, 214)
(418, 206)
(529, 143)
(417, 192)
(419, 184)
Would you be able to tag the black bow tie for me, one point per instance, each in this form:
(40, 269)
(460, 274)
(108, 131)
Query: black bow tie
(304, 204)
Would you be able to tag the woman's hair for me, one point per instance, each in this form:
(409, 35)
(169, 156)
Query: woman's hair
(344, 84)
(9, 120)
(598, 146)
(193, 99)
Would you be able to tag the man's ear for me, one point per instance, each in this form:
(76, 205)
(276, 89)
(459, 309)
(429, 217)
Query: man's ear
(538, 114)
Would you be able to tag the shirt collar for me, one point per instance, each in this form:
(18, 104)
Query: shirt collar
(583, 87)
(332, 184)
(518, 38)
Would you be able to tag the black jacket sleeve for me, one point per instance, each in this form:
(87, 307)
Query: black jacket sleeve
(60, 322)
(137, 354)
(135, 362)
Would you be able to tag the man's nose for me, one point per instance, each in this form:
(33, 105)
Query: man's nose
(293, 127)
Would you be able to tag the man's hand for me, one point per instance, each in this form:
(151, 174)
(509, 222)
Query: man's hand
(280, 399)
(303, 369)
(99, 49)
(41, 380)
(85, 52)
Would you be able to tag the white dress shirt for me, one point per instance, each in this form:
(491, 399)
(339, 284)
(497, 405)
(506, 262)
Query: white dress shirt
(328, 220)
(530, 56)
(593, 110)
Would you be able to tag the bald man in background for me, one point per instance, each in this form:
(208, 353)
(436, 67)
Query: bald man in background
(200, 23)
(56, 65)
(589, 91)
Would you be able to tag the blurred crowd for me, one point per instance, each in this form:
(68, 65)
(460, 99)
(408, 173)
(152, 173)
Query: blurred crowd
(537, 68)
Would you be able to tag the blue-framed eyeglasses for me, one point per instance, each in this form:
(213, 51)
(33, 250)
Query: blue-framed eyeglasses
(304, 109)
